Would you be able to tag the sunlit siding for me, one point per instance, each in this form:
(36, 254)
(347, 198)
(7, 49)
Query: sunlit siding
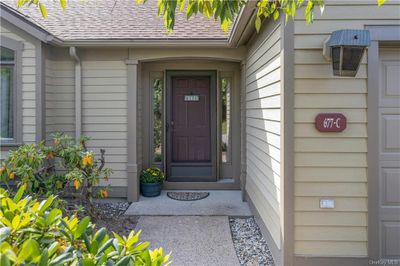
(28, 84)
(332, 164)
(104, 112)
(263, 126)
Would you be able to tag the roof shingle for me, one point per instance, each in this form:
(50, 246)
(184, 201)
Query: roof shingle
(117, 20)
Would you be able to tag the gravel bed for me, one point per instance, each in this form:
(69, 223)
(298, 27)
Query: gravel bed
(111, 216)
(251, 248)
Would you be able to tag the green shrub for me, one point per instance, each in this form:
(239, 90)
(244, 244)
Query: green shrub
(152, 175)
(50, 169)
(35, 233)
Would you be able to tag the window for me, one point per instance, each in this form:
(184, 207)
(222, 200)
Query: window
(157, 96)
(7, 90)
(225, 120)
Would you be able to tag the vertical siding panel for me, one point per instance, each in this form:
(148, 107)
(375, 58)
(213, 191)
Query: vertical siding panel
(263, 103)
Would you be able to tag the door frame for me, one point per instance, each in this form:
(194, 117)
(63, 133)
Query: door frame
(213, 119)
(379, 35)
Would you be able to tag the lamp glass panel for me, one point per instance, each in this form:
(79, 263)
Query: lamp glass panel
(336, 56)
(351, 58)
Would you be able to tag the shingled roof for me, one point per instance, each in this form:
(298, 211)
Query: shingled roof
(116, 20)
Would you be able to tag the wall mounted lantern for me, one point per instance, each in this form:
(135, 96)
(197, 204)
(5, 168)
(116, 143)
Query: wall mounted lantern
(345, 48)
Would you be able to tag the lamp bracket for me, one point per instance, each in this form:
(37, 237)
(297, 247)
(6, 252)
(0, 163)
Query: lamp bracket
(326, 50)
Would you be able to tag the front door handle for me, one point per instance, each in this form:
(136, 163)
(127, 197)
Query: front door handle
(167, 125)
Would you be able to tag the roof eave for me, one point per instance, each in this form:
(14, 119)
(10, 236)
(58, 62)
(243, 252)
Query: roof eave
(240, 30)
(13, 17)
(141, 43)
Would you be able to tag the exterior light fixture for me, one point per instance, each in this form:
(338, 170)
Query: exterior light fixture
(345, 48)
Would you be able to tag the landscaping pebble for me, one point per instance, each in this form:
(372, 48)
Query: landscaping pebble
(251, 248)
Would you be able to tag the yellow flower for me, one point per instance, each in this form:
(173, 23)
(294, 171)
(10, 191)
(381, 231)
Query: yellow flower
(87, 160)
(104, 193)
(12, 175)
(77, 184)
(50, 155)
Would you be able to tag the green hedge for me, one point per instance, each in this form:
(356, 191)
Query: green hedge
(36, 233)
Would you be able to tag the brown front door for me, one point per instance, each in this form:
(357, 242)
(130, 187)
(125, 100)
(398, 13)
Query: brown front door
(190, 155)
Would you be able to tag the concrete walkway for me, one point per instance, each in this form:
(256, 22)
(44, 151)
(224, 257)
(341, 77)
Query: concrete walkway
(193, 240)
(197, 232)
(220, 203)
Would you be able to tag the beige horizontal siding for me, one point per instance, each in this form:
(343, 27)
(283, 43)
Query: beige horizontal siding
(28, 84)
(104, 113)
(331, 248)
(263, 127)
(332, 165)
(60, 97)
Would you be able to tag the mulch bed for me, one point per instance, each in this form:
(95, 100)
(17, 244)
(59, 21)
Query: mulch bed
(251, 248)
(110, 215)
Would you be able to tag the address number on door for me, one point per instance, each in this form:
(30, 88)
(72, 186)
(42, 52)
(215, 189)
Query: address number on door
(191, 98)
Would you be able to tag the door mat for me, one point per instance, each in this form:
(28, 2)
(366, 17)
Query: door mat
(188, 196)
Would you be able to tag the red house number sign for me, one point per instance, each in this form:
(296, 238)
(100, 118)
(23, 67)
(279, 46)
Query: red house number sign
(330, 122)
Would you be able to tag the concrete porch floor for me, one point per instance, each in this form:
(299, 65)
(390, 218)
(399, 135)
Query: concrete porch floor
(218, 203)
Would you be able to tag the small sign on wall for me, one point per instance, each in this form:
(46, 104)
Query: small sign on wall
(330, 122)
(192, 98)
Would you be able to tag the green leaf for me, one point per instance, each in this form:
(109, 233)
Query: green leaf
(46, 204)
(63, 4)
(141, 247)
(44, 258)
(88, 262)
(60, 260)
(4, 261)
(133, 239)
(381, 2)
(94, 247)
(4, 233)
(82, 226)
(52, 216)
(15, 222)
(29, 248)
(181, 5)
(20, 193)
(276, 14)
(100, 234)
(124, 261)
(101, 260)
(43, 10)
(105, 245)
(53, 248)
(258, 24)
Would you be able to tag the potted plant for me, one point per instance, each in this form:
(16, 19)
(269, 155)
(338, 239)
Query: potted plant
(151, 181)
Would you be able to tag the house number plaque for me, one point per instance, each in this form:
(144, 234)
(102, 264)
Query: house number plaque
(191, 98)
(330, 122)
